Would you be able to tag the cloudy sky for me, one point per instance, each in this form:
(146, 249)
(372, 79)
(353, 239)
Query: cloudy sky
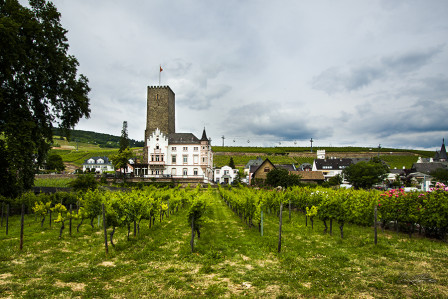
(351, 73)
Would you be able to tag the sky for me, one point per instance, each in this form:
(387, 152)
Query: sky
(269, 73)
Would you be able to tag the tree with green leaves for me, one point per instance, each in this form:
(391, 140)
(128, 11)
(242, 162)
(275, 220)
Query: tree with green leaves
(124, 140)
(363, 175)
(281, 177)
(440, 175)
(39, 87)
(231, 163)
(121, 160)
(54, 162)
(84, 182)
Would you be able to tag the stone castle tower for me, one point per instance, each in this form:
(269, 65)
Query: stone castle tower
(160, 111)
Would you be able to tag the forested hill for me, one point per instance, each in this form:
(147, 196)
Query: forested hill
(103, 140)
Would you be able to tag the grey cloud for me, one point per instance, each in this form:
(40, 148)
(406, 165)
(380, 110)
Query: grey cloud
(411, 61)
(352, 78)
(413, 119)
(267, 119)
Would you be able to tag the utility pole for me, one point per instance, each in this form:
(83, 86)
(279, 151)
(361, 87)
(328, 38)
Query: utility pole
(379, 147)
(311, 140)
(223, 140)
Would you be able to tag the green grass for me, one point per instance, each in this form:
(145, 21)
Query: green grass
(399, 161)
(77, 157)
(52, 182)
(240, 161)
(230, 260)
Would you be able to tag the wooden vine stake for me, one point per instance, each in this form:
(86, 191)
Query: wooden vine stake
(289, 210)
(262, 223)
(70, 221)
(280, 229)
(105, 231)
(7, 218)
(3, 208)
(375, 219)
(21, 225)
(192, 234)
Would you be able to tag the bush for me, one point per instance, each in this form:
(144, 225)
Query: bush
(84, 182)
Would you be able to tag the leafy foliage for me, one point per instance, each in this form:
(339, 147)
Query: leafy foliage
(440, 175)
(84, 182)
(39, 87)
(281, 177)
(365, 174)
(54, 161)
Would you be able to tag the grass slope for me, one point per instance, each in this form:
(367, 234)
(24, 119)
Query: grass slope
(229, 260)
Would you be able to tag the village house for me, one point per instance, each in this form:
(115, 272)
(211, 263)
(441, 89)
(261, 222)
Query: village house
(225, 175)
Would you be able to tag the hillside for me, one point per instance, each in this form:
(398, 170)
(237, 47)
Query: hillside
(395, 158)
(89, 137)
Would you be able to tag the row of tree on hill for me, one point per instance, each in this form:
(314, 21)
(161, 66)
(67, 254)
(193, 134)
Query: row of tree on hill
(102, 140)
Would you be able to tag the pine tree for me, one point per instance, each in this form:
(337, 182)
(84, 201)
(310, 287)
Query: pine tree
(124, 140)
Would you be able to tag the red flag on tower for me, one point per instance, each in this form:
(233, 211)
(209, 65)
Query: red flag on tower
(160, 72)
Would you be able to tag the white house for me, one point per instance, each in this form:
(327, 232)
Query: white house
(97, 165)
(225, 175)
(177, 156)
(331, 167)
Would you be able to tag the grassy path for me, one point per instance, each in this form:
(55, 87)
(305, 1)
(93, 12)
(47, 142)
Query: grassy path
(230, 260)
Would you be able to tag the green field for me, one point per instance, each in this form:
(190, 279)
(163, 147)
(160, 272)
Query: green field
(230, 260)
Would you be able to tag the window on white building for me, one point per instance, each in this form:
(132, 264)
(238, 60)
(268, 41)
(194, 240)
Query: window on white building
(185, 171)
(196, 148)
(173, 148)
(217, 171)
(195, 171)
(173, 171)
(185, 157)
(185, 148)
(195, 159)
(173, 159)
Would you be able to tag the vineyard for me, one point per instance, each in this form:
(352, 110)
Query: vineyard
(207, 242)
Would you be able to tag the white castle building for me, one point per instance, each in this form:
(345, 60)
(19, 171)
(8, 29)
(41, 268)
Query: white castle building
(177, 156)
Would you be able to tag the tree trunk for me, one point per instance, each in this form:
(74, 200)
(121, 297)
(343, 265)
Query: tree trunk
(312, 222)
(91, 222)
(331, 227)
(192, 235)
(325, 229)
(42, 221)
(135, 228)
(50, 219)
(111, 236)
(77, 228)
(341, 227)
(62, 228)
